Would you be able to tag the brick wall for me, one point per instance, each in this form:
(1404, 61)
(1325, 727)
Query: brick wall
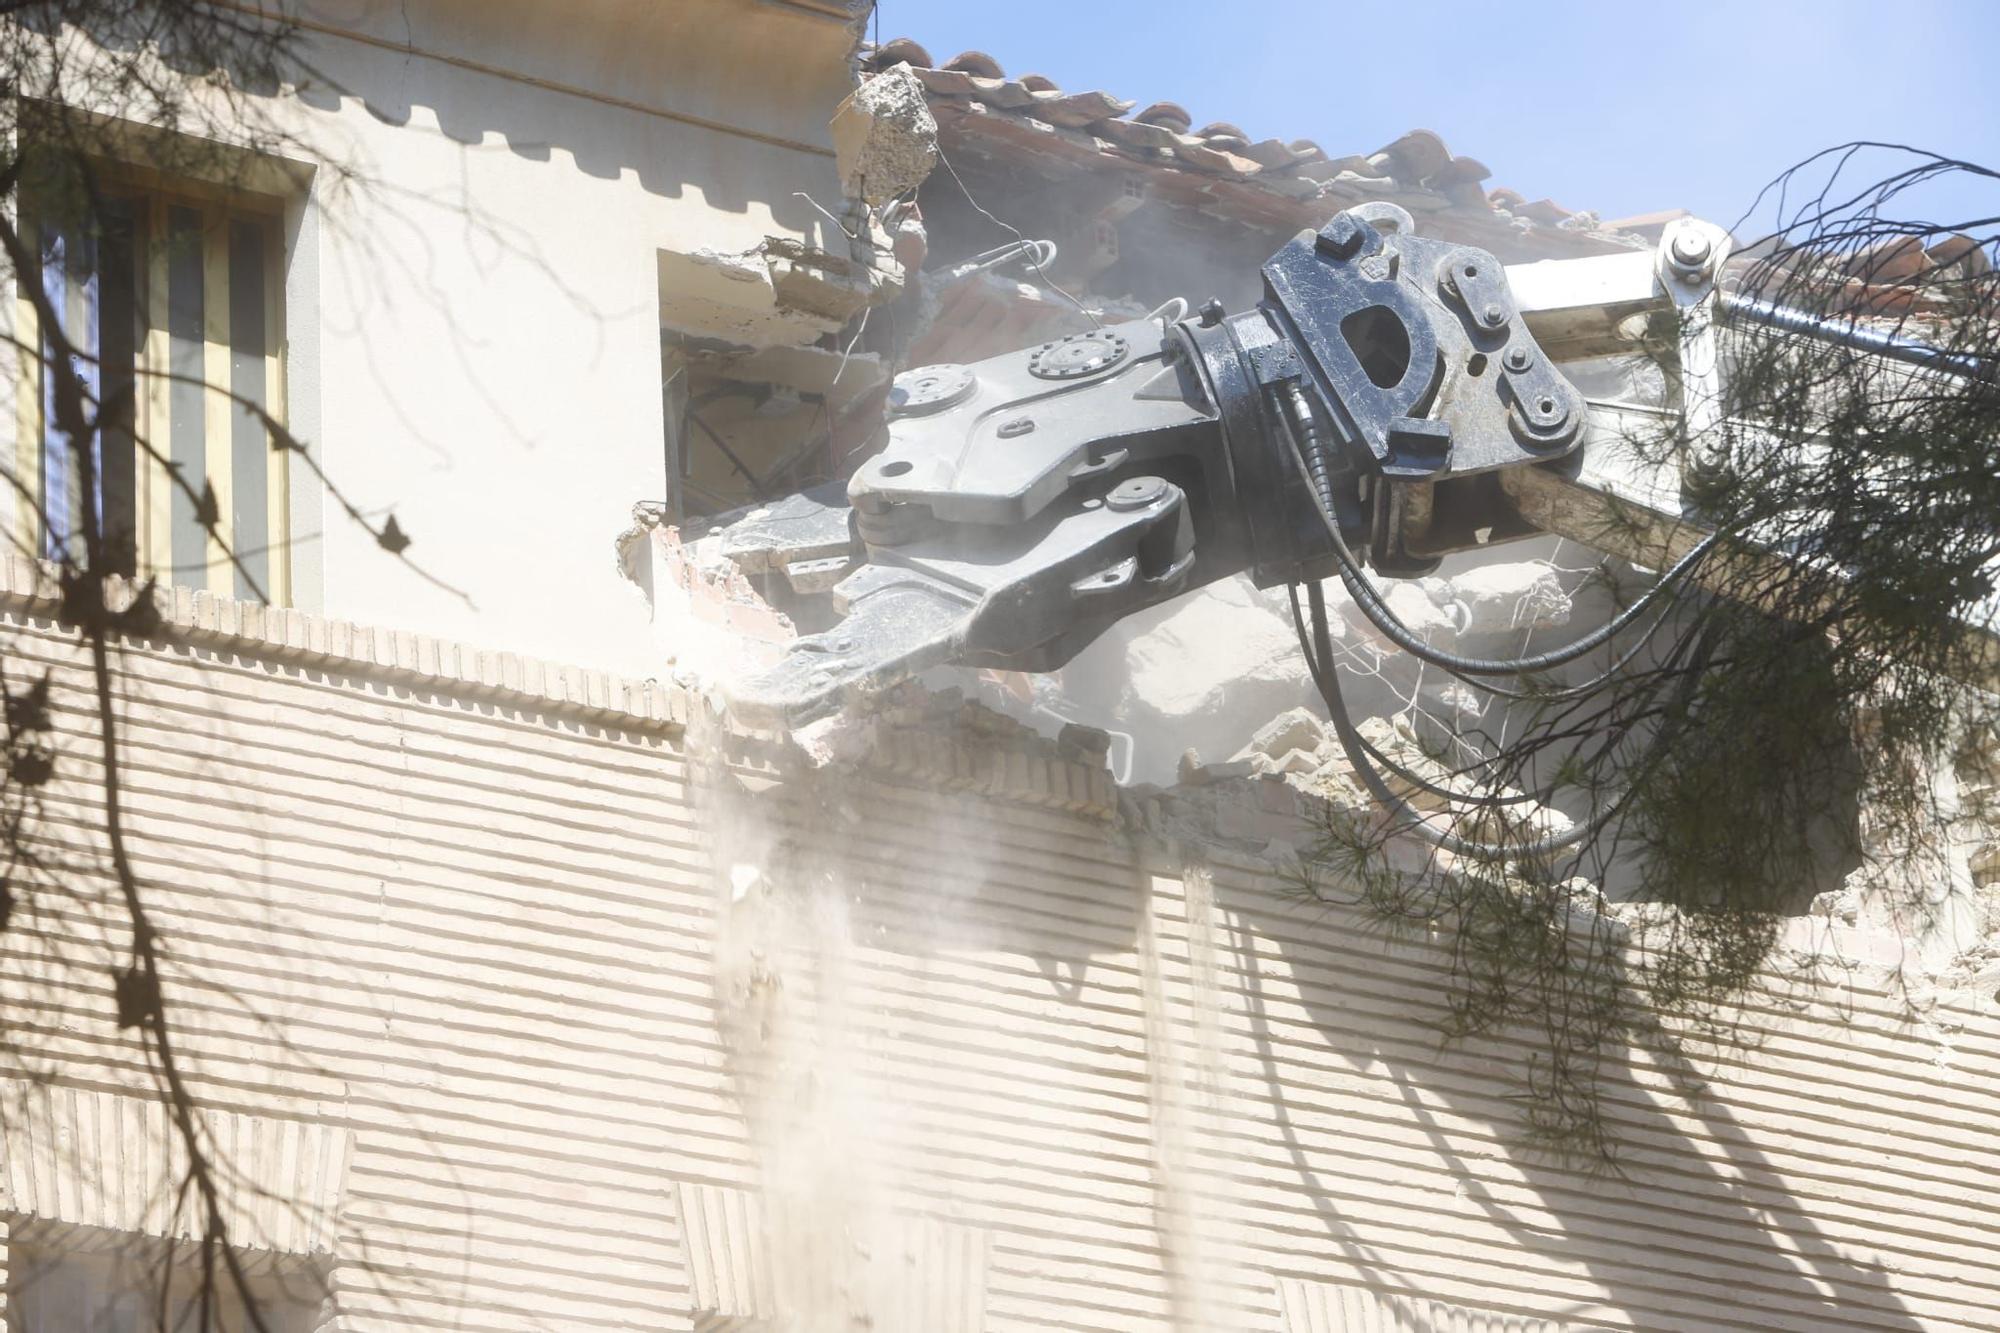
(540, 1013)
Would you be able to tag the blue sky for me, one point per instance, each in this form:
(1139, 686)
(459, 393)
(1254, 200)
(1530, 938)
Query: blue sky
(1619, 107)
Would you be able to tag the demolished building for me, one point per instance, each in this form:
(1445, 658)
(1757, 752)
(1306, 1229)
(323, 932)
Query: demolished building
(522, 990)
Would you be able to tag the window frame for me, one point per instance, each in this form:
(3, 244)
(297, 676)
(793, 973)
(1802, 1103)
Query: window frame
(155, 198)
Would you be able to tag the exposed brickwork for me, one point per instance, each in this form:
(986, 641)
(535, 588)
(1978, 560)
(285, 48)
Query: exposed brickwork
(944, 743)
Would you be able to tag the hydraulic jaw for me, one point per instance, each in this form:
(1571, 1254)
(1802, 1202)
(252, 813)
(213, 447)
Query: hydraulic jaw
(1025, 503)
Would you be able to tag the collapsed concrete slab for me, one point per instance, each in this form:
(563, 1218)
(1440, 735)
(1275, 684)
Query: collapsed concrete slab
(781, 291)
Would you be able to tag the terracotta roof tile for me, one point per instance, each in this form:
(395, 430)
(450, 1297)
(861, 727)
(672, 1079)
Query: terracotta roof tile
(976, 62)
(946, 82)
(972, 94)
(1460, 171)
(1894, 260)
(1136, 134)
(899, 52)
(1962, 250)
(1327, 169)
(1545, 211)
(1171, 115)
(1270, 153)
(1079, 110)
(1416, 157)
(1897, 278)
(1208, 157)
(1004, 94)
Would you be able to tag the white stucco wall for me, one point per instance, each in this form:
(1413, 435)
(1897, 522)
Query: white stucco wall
(474, 313)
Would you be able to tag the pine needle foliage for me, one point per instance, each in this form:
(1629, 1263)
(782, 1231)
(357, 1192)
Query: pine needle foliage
(1792, 721)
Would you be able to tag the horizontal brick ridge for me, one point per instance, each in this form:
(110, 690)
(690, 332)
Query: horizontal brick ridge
(1012, 764)
(281, 634)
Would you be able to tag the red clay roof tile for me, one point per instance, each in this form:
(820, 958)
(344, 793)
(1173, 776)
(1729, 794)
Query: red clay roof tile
(1417, 170)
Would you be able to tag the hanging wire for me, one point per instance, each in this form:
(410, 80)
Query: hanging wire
(1035, 263)
(1037, 253)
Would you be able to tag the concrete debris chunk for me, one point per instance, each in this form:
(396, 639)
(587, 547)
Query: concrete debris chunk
(1525, 594)
(1295, 729)
(1190, 766)
(1206, 670)
(884, 137)
(1296, 761)
(1194, 773)
(1393, 738)
(1425, 605)
(1084, 743)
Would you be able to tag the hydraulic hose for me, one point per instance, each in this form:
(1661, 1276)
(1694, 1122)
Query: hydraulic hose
(1356, 746)
(1315, 453)
(1315, 664)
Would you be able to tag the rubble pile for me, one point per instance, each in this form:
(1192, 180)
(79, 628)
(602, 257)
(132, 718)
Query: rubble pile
(944, 741)
(1293, 782)
(1213, 667)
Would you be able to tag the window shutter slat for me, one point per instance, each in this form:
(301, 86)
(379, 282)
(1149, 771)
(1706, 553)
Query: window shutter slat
(250, 451)
(186, 355)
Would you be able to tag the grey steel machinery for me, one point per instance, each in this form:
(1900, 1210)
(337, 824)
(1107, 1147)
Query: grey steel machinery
(1392, 399)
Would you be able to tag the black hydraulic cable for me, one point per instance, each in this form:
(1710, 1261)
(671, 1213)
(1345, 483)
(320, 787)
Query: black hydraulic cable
(1314, 666)
(1555, 693)
(1314, 447)
(1577, 690)
(1580, 689)
(1356, 746)
(1313, 454)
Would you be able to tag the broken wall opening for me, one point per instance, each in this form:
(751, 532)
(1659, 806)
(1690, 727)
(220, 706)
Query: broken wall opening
(745, 424)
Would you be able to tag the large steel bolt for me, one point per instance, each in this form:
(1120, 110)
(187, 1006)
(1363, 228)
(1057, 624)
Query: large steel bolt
(1136, 493)
(1691, 247)
(1341, 238)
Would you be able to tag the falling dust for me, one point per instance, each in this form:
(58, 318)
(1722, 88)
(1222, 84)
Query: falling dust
(1186, 1090)
(803, 1018)
(808, 949)
(796, 1037)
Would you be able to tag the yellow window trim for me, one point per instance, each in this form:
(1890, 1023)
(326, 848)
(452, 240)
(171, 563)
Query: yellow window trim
(153, 487)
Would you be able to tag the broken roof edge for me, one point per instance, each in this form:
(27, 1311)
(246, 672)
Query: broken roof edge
(1281, 183)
